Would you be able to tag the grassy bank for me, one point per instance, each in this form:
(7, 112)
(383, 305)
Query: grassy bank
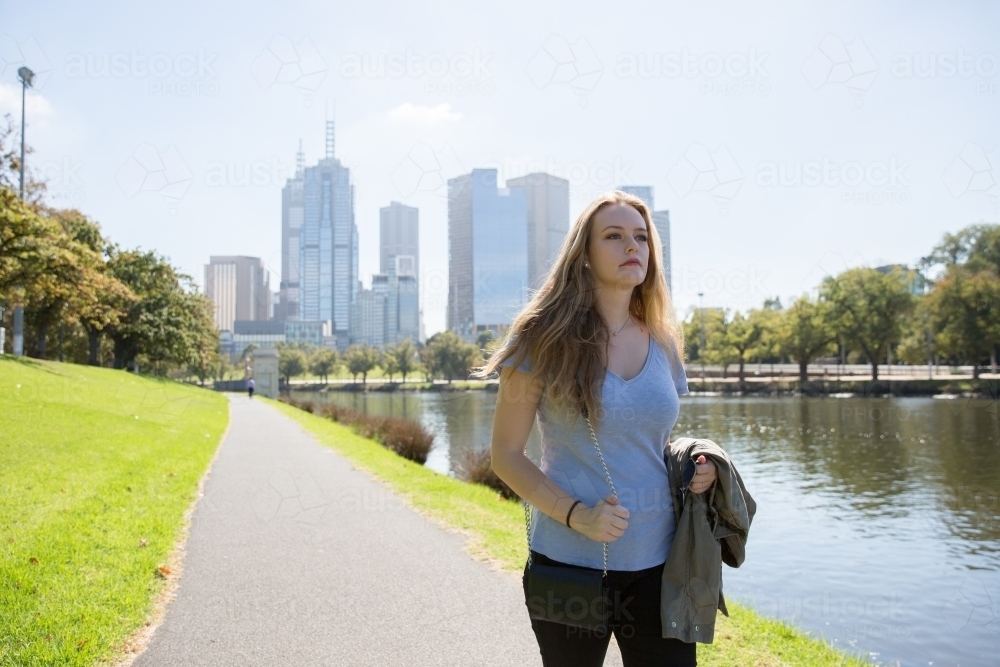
(495, 528)
(97, 468)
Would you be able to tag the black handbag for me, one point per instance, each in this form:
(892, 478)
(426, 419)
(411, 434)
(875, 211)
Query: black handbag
(569, 595)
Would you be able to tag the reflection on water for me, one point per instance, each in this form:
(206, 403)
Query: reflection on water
(878, 522)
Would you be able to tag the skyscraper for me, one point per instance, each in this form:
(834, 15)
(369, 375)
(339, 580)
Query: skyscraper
(292, 216)
(388, 312)
(327, 242)
(661, 220)
(547, 199)
(399, 231)
(487, 253)
(399, 237)
(239, 288)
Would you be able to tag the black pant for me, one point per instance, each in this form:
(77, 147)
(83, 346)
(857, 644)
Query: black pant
(635, 622)
(250, 392)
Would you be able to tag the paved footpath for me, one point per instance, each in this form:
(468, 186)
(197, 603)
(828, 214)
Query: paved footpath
(294, 558)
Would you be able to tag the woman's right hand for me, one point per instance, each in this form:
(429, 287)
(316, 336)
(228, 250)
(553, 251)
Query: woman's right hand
(604, 522)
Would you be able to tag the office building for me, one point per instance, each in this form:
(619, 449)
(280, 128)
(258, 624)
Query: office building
(399, 236)
(311, 332)
(407, 299)
(321, 224)
(292, 216)
(547, 200)
(368, 322)
(488, 253)
(239, 288)
(661, 220)
(388, 312)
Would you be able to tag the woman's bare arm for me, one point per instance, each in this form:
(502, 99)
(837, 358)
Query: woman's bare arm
(517, 401)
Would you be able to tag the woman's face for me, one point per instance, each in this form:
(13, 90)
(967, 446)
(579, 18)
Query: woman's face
(619, 248)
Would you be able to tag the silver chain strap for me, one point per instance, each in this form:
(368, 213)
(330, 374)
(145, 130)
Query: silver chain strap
(607, 478)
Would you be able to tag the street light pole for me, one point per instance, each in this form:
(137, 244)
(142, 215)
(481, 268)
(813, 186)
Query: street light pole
(27, 80)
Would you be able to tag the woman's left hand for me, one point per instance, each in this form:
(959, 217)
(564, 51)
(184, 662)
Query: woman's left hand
(704, 475)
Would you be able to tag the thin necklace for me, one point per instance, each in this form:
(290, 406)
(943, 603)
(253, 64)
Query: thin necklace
(623, 326)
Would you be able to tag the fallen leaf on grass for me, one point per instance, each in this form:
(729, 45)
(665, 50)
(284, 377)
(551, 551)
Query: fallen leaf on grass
(143, 542)
(33, 560)
(163, 571)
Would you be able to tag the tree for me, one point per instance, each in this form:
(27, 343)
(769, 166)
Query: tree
(450, 356)
(10, 163)
(291, 362)
(25, 242)
(323, 362)
(805, 331)
(964, 310)
(203, 339)
(158, 324)
(389, 364)
(361, 359)
(718, 346)
(743, 335)
(405, 355)
(714, 320)
(977, 247)
(917, 339)
(768, 318)
(867, 307)
(68, 273)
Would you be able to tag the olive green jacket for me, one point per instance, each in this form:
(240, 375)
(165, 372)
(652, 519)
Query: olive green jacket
(712, 527)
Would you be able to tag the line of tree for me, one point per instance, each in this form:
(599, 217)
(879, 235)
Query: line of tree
(872, 316)
(445, 355)
(86, 299)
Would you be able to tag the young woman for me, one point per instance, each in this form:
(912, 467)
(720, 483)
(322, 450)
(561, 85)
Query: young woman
(599, 337)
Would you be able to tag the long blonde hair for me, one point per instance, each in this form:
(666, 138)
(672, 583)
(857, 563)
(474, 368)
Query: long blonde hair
(561, 330)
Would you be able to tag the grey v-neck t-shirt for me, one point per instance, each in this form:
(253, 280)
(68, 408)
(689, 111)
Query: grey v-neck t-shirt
(637, 416)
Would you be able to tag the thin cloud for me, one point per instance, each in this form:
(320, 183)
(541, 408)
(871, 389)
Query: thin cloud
(424, 115)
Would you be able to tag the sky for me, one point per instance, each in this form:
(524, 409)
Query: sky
(789, 141)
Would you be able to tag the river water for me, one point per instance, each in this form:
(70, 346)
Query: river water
(877, 527)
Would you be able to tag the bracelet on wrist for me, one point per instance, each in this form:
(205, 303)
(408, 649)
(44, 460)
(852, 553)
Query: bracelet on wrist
(571, 508)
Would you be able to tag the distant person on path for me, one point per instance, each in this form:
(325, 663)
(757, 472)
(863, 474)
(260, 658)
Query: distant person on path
(599, 339)
(250, 386)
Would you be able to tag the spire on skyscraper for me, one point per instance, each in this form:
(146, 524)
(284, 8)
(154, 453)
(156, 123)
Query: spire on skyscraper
(300, 160)
(329, 139)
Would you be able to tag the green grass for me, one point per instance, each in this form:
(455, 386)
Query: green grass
(495, 528)
(92, 462)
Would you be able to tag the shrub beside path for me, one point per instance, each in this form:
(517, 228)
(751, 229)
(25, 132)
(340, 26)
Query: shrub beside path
(295, 558)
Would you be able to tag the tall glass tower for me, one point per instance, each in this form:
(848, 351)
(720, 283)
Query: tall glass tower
(488, 253)
(328, 243)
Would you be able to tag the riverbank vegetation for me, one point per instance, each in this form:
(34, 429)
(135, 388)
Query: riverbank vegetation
(405, 437)
(97, 471)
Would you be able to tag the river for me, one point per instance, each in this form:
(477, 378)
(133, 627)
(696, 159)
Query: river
(877, 527)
